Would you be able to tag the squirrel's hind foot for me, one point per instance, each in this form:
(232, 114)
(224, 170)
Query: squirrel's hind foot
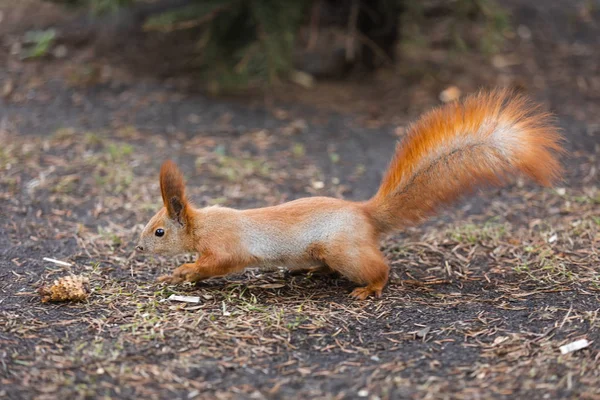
(361, 293)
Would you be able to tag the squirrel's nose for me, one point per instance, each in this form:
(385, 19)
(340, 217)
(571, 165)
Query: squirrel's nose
(139, 248)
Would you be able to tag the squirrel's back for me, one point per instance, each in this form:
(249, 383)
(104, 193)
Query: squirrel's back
(449, 151)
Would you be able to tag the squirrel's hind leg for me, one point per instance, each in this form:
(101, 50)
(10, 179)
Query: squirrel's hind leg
(363, 265)
(375, 274)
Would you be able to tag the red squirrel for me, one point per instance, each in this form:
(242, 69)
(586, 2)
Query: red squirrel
(449, 151)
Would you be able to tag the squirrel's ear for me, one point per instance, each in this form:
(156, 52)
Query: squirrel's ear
(172, 189)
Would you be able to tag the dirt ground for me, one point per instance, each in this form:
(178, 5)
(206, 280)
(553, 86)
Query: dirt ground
(480, 300)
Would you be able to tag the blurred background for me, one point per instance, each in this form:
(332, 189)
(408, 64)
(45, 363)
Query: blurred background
(340, 79)
(321, 89)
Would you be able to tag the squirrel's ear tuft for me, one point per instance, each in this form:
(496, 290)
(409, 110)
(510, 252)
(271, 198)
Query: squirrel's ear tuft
(172, 188)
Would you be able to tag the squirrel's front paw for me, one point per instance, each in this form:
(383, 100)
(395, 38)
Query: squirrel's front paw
(184, 273)
(170, 279)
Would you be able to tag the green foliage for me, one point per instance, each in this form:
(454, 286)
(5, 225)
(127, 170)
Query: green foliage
(245, 42)
(95, 5)
(489, 15)
(108, 5)
(240, 42)
(496, 24)
(39, 43)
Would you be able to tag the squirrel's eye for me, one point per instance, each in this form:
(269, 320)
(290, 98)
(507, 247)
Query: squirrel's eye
(159, 232)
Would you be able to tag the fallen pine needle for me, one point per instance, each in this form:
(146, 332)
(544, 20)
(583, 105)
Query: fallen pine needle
(426, 283)
(58, 262)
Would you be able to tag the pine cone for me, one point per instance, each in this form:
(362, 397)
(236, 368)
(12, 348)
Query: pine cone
(67, 288)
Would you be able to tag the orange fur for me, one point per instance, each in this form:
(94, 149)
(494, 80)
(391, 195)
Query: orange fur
(449, 151)
(481, 140)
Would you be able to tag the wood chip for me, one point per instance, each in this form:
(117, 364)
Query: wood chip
(184, 299)
(574, 346)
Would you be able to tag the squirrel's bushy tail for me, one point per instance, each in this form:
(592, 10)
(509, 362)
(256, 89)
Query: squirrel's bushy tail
(449, 151)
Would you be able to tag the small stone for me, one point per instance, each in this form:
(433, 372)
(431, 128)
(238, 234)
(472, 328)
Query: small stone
(302, 79)
(450, 94)
(503, 61)
(524, 32)
(60, 51)
(194, 118)
(423, 332)
(15, 49)
(295, 127)
(281, 114)
(400, 131)
(7, 88)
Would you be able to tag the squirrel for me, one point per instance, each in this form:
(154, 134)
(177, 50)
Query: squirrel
(451, 150)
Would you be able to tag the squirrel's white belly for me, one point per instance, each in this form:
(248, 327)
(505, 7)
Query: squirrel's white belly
(274, 243)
